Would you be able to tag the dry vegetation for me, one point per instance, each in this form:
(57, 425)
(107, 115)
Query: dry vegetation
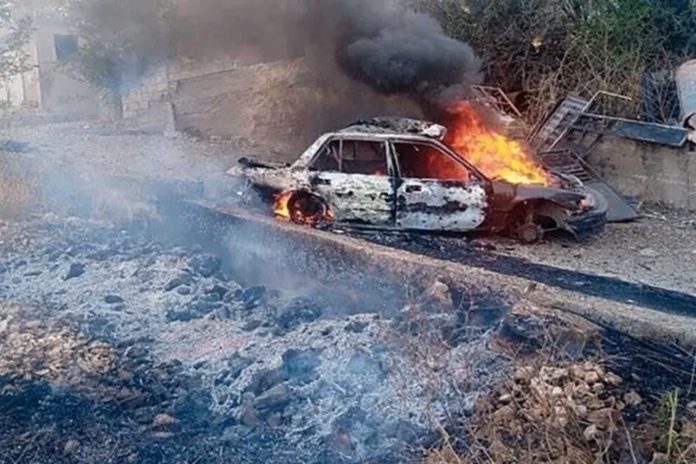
(563, 407)
(545, 49)
(17, 189)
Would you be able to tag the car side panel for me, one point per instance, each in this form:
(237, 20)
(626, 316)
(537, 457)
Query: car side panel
(356, 198)
(440, 205)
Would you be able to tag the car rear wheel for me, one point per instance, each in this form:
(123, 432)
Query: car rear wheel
(530, 233)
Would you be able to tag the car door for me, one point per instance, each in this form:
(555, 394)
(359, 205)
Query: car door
(353, 176)
(436, 191)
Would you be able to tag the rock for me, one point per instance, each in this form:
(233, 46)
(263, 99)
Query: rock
(632, 398)
(218, 290)
(438, 295)
(163, 420)
(249, 416)
(604, 419)
(612, 379)
(183, 315)
(356, 327)
(234, 368)
(264, 380)
(524, 374)
(649, 253)
(113, 299)
(71, 447)
(688, 431)
(505, 398)
(221, 314)
(300, 365)
(591, 432)
(184, 290)
(504, 415)
(206, 265)
(274, 420)
(591, 377)
(252, 325)
(274, 399)
(690, 409)
(251, 297)
(176, 282)
(297, 312)
(581, 411)
(202, 308)
(136, 352)
(553, 374)
(76, 270)
(211, 298)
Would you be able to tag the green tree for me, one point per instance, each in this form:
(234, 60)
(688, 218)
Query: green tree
(15, 33)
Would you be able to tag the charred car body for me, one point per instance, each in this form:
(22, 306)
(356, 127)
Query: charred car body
(398, 174)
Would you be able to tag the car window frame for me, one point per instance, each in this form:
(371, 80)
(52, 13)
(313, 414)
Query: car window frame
(475, 173)
(386, 147)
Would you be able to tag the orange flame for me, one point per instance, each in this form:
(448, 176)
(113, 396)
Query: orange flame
(495, 155)
(281, 210)
(302, 208)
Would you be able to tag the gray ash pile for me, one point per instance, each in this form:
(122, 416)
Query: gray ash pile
(119, 346)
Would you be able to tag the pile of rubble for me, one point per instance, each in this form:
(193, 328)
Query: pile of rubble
(579, 412)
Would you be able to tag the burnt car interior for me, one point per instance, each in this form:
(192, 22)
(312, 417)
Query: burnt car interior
(353, 157)
(415, 160)
(421, 161)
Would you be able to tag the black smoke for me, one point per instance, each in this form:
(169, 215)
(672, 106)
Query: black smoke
(382, 43)
(396, 50)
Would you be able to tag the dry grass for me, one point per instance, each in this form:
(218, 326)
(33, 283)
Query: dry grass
(33, 349)
(556, 410)
(17, 189)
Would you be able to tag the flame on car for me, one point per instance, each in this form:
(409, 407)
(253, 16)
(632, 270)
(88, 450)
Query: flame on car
(495, 155)
(302, 208)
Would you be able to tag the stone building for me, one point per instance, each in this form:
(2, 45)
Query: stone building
(48, 87)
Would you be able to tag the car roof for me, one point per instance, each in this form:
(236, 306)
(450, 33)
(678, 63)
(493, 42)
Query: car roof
(391, 126)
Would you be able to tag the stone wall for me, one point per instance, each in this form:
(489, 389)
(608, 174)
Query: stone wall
(159, 83)
(282, 105)
(654, 173)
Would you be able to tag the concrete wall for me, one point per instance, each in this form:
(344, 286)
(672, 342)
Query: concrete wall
(60, 93)
(654, 173)
(282, 105)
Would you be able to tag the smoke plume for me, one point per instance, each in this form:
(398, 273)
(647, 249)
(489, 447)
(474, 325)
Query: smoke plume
(396, 50)
(383, 44)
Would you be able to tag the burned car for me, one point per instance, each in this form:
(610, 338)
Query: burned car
(400, 174)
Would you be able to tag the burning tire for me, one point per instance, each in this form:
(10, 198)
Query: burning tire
(303, 208)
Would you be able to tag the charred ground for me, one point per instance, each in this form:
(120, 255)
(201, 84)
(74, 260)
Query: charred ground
(169, 333)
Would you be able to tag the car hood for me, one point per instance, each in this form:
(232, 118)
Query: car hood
(565, 198)
(507, 196)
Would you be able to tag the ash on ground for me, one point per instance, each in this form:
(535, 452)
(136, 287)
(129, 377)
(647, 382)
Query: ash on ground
(116, 347)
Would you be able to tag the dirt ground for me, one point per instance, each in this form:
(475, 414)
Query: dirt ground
(657, 250)
(117, 345)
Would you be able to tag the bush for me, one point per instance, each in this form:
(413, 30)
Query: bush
(549, 48)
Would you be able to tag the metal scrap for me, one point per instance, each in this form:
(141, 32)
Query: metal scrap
(686, 90)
